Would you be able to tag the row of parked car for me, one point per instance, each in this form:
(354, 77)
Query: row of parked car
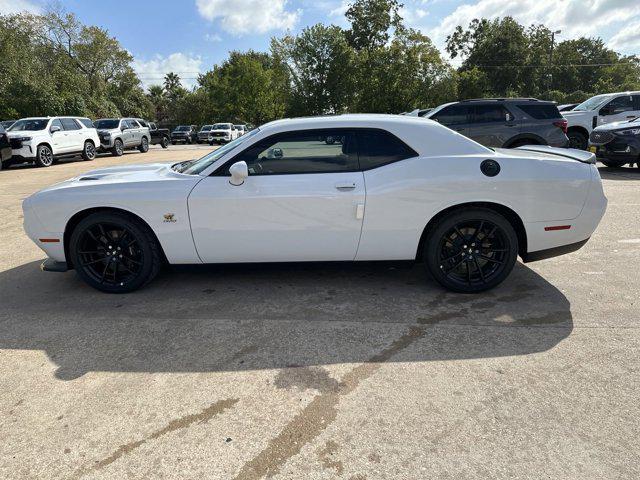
(607, 125)
(215, 133)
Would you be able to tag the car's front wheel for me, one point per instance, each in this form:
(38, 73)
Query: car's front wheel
(144, 145)
(471, 250)
(89, 151)
(578, 140)
(165, 142)
(44, 156)
(114, 252)
(118, 148)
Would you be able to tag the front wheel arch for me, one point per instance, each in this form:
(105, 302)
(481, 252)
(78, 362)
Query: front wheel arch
(512, 217)
(79, 216)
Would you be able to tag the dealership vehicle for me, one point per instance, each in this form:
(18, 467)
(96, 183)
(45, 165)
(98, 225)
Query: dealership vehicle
(223, 133)
(120, 134)
(184, 134)
(567, 107)
(505, 122)
(158, 136)
(7, 123)
(5, 149)
(43, 140)
(203, 134)
(394, 188)
(241, 130)
(600, 110)
(617, 144)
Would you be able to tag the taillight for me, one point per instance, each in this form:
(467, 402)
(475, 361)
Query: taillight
(562, 124)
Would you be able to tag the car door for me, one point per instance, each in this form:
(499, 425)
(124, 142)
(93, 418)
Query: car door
(457, 117)
(492, 125)
(73, 140)
(136, 132)
(303, 201)
(59, 138)
(620, 109)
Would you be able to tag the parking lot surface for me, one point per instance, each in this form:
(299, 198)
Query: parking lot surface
(365, 371)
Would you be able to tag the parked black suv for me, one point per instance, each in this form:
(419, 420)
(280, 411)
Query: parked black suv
(159, 136)
(184, 133)
(5, 148)
(505, 122)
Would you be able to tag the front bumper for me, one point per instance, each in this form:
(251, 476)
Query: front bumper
(619, 150)
(51, 265)
(26, 151)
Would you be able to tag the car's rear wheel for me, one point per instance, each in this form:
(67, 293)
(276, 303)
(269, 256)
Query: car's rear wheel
(165, 142)
(471, 250)
(578, 140)
(144, 145)
(118, 148)
(114, 252)
(44, 156)
(89, 151)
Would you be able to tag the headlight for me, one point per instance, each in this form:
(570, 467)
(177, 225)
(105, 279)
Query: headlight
(630, 131)
(24, 139)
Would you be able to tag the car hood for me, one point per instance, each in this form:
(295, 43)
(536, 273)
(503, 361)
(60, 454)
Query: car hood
(578, 113)
(25, 133)
(618, 126)
(220, 131)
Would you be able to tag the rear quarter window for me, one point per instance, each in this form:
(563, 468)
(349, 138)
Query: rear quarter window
(540, 112)
(379, 147)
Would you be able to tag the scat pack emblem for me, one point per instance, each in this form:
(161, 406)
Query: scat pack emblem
(169, 218)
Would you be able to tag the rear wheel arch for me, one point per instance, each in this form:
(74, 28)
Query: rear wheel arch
(512, 217)
(81, 215)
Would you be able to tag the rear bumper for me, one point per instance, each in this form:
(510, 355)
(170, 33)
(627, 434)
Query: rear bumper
(553, 252)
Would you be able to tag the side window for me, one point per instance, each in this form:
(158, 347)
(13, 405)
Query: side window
(86, 122)
(152, 126)
(620, 104)
(126, 124)
(57, 123)
(454, 115)
(134, 124)
(308, 151)
(490, 113)
(143, 123)
(378, 148)
(636, 102)
(69, 124)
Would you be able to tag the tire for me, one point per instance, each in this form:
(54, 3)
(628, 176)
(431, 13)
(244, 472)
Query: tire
(94, 247)
(578, 140)
(118, 148)
(44, 156)
(89, 151)
(144, 145)
(173, 143)
(613, 164)
(164, 143)
(455, 261)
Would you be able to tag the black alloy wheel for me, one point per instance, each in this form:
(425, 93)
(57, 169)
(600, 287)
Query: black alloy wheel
(114, 253)
(578, 140)
(165, 142)
(44, 156)
(144, 145)
(471, 251)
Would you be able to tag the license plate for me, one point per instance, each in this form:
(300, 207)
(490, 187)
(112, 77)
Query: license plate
(593, 149)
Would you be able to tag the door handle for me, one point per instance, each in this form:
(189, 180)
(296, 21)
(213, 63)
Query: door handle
(343, 187)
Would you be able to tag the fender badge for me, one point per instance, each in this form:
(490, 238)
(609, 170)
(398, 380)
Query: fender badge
(169, 218)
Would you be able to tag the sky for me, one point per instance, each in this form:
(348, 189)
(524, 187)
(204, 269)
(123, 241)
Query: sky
(190, 36)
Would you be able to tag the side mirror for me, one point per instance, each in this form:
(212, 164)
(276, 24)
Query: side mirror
(239, 172)
(54, 129)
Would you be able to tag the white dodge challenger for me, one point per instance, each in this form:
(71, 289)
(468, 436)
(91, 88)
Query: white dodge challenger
(341, 188)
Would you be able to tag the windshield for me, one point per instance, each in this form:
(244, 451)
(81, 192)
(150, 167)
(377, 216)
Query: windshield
(592, 103)
(222, 126)
(205, 128)
(107, 123)
(196, 167)
(29, 124)
(182, 128)
(433, 111)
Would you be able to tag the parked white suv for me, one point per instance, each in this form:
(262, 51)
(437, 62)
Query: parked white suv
(222, 133)
(45, 139)
(600, 110)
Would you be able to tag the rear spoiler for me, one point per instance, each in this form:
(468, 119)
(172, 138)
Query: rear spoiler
(572, 153)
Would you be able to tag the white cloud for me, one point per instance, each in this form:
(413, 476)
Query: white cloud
(152, 72)
(249, 16)
(8, 7)
(627, 40)
(213, 37)
(574, 17)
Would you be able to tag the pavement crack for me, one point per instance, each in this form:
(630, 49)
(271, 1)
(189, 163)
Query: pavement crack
(319, 413)
(183, 422)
